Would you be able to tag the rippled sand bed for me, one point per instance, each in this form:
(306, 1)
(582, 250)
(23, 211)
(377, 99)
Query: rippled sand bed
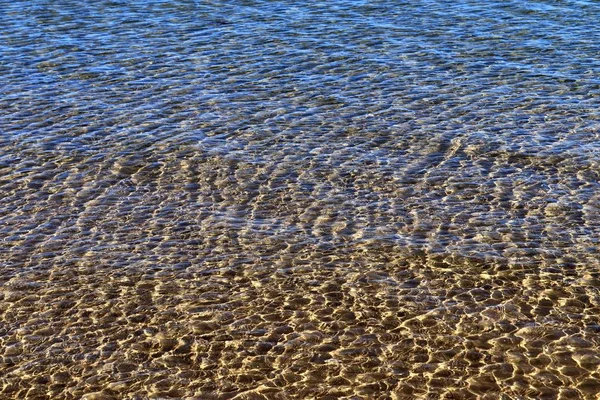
(156, 280)
(301, 327)
(296, 327)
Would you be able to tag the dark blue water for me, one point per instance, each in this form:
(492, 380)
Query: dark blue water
(236, 199)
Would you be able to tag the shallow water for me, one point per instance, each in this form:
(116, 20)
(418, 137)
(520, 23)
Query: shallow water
(281, 200)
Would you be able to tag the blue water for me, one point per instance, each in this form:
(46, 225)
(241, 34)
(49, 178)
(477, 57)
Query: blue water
(277, 198)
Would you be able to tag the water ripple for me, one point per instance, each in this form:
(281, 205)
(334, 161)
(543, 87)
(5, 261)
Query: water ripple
(276, 199)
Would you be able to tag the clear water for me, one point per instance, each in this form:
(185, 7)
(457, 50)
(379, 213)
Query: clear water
(289, 199)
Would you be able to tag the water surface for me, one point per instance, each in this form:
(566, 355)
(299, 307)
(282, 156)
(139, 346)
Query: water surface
(281, 199)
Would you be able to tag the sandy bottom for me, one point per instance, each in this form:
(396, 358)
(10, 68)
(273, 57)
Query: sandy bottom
(207, 280)
(418, 327)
